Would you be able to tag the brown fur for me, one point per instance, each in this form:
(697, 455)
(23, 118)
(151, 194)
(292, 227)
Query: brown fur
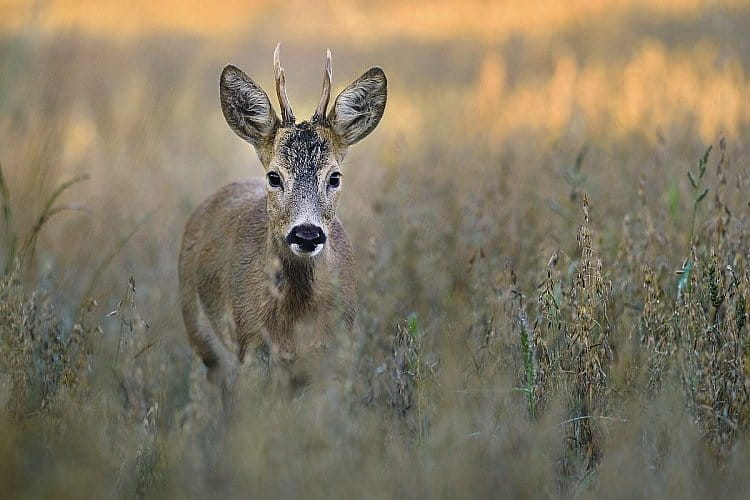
(236, 267)
(254, 295)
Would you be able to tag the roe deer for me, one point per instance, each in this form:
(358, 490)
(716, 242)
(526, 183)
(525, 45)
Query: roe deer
(267, 260)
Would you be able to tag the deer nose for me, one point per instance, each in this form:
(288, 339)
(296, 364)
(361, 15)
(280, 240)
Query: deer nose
(307, 236)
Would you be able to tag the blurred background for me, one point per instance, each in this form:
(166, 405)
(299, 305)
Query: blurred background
(483, 93)
(500, 116)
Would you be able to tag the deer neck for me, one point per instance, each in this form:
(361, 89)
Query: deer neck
(294, 279)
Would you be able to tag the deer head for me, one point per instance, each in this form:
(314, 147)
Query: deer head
(302, 161)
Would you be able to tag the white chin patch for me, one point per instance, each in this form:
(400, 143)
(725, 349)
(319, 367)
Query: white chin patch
(297, 250)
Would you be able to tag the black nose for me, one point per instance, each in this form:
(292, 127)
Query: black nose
(307, 236)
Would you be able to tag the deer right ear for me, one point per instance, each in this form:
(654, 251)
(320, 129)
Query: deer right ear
(359, 107)
(246, 106)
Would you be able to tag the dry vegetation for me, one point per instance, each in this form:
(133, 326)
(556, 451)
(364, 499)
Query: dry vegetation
(552, 225)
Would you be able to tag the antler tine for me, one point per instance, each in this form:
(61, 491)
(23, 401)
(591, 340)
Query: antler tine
(320, 112)
(287, 116)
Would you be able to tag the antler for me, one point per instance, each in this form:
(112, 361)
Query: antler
(320, 112)
(287, 116)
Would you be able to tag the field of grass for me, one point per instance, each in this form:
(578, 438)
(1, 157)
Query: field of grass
(551, 223)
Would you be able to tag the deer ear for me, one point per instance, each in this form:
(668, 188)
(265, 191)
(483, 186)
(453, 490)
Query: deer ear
(359, 107)
(246, 106)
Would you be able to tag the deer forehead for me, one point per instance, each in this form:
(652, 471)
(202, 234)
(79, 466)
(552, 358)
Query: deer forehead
(303, 150)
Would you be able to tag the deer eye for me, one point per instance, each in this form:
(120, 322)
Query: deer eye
(334, 180)
(274, 179)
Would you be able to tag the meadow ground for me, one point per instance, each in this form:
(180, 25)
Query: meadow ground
(552, 226)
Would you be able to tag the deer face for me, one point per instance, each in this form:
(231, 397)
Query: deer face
(302, 161)
(304, 181)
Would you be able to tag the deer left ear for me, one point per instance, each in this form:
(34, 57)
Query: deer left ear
(359, 107)
(246, 107)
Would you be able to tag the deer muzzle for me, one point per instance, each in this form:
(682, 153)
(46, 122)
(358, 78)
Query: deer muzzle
(306, 239)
